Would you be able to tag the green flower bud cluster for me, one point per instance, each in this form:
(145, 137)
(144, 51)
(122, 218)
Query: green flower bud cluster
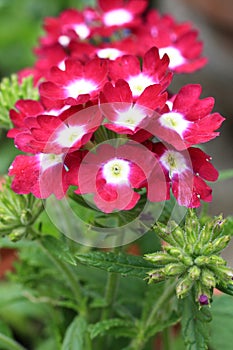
(11, 91)
(192, 255)
(17, 212)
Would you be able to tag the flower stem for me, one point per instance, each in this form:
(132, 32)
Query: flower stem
(139, 342)
(166, 336)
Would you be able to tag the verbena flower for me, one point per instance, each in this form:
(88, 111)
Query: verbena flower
(95, 89)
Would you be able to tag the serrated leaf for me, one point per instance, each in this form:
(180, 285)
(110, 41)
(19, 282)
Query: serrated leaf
(115, 326)
(58, 248)
(195, 328)
(222, 325)
(125, 264)
(75, 335)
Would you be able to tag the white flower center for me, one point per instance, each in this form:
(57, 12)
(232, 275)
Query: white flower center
(110, 53)
(138, 83)
(49, 160)
(130, 118)
(64, 40)
(82, 30)
(176, 58)
(174, 121)
(79, 87)
(117, 17)
(116, 171)
(69, 135)
(174, 162)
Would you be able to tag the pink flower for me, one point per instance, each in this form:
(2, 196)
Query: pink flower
(186, 173)
(77, 83)
(121, 12)
(153, 71)
(71, 24)
(126, 115)
(41, 175)
(60, 134)
(179, 41)
(112, 174)
(186, 120)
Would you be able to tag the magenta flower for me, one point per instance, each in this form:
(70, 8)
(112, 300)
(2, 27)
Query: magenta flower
(187, 120)
(154, 71)
(186, 173)
(126, 114)
(112, 174)
(60, 134)
(77, 83)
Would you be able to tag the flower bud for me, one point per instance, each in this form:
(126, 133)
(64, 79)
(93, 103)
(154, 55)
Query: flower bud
(194, 272)
(17, 234)
(156, 275)
(160, 258)
(203, 300)
(192, 227)
(179, 236)
(183, 287)
(216, 246)
(164, 233)
(218, 227)
(207, 278)
(174, 252)
(174, 269)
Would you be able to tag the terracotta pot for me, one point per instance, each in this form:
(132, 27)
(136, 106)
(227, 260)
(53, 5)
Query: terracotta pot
(219, 12)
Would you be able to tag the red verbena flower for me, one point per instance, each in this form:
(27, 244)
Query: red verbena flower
(186, 120)
(186, 173)
(77, 83)
(154, 71)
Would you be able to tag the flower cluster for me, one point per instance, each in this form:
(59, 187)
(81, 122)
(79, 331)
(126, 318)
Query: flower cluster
(103, 74)
(193, 256)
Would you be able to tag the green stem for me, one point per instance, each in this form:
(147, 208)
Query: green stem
(110, 294)
(9, 343)
(166, 336)
(139, 342)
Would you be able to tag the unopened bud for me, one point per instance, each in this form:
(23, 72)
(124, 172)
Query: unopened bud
(160, 258)
(17, 234)
(164, 233)
(179, 236)
(208, 279)
(216, 260)
(218, 227)
(174, 252)
(192, 227)
(203, 299)
(156, 275)
(174, 269)
(183, 287)
(194, 272)
(216, 246)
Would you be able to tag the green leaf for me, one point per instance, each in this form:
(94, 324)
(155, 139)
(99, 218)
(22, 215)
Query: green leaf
(9, 344)
(195, 328)
(115, 326)
(225, 175)
(58, 248)
(10, 92)
(125, 264)
(75, 335)
(222, 325)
